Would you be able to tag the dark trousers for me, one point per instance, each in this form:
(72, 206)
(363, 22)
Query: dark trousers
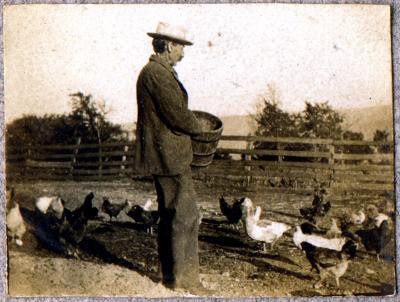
(178, 230)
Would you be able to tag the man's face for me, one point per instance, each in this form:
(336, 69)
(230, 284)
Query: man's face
(176, 52)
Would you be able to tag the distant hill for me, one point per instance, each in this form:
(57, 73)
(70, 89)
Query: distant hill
(365, 120)
(369, 119)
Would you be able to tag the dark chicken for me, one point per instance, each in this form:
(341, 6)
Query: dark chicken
(74, 223)
(329, 262)
(318, 209)
(61, 234)
(148, 218)
(233, 212)
(328, 256)
(376, 238)
(113, 209)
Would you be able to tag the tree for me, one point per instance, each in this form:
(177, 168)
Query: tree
(87, 121)
(320, 121)
(354, 149)
(89, 118)
(272, 121)
(383, 136)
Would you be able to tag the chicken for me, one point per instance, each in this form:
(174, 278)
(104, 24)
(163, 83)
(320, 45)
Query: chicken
(334, 231)
(53, 204)
(327, 257)
(148, 218)
(46, 228)
(233, 213)
(15, 223)
(375, 238)
(74, 223)
(113, 210)
(147, 205)
(357, 218)
(329, 262)
(318, 209)
(300, 235)
(266, 231)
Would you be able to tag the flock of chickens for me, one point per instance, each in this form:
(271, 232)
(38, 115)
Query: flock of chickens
(62, 230)
(329, 250)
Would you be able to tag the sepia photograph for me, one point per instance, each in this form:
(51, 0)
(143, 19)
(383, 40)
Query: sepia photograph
(199, 150)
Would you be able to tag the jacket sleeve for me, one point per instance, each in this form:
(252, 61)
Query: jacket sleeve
(170, 102)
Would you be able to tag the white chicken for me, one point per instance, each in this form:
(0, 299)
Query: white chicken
(15, 223)
(147, 205)
(52, 204)
(266, 231)
(357, 218)
(319, 241)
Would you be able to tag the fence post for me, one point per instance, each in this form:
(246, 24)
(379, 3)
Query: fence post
(100, 160)
(331, 161)
(249, 146)
(279, 147)
(126, 148)
(28, 157)
(74, 154)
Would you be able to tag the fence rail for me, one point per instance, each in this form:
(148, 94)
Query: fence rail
(284, 164)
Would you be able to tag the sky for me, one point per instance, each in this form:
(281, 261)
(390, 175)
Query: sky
(315, 53)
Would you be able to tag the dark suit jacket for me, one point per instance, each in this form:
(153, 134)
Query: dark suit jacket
(164, 122)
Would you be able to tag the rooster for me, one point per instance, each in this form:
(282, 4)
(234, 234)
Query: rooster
(113, 209)
(233, 213)
(266, 231)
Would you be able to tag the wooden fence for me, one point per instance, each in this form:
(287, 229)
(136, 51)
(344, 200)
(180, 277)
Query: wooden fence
(265, 163)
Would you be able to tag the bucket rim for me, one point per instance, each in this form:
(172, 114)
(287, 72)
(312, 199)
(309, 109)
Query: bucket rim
(219, 129)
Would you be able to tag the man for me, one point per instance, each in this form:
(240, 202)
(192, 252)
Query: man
(164, 129)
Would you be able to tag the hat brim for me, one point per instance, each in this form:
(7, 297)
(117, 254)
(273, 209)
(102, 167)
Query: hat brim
(169, 38)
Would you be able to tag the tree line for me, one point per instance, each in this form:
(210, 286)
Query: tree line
(317, 120)
(88, 122)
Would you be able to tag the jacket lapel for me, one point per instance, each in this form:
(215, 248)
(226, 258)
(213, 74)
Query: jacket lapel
(172, 70)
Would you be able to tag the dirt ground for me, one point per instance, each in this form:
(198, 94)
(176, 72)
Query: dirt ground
(119, 258)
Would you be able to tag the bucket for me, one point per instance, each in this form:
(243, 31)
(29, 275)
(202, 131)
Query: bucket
(205, 144)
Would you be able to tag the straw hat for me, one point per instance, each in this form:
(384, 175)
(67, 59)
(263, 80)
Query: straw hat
(172, 33)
